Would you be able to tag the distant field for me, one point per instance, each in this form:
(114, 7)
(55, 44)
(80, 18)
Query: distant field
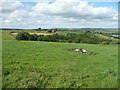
(51, 65)
(106, 37)
(36, 33)
(6, 33)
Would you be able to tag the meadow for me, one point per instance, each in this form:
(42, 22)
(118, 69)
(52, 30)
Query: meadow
(38, 64)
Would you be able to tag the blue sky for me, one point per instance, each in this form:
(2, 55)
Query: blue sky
(114, 5)
(59, 14)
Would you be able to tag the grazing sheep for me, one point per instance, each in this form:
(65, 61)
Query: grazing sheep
(77, 50)
(82, 51)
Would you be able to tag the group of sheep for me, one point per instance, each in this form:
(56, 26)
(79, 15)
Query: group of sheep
(82, 51)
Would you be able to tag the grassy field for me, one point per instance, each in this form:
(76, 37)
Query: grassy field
(36, 33)
(51, 65)
(106, 37)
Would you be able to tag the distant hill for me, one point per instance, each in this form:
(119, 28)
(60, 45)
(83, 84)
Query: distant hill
(89, 29)
(72, 29)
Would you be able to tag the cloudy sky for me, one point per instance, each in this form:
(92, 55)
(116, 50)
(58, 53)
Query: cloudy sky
(58, 14)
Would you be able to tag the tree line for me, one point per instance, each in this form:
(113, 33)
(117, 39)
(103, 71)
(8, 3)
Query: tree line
(88, 38)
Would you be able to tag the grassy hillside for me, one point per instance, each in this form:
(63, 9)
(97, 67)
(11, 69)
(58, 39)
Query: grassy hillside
(51, 65)
(106, 37)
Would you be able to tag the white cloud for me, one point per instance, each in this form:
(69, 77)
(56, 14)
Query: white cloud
(8, 7)
(68, 0)
(61, 13)
(74, 9)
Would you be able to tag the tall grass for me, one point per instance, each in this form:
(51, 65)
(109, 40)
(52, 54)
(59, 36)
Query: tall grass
(30, 64)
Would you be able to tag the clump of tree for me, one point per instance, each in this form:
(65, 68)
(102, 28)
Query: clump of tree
(23, 36)
(83, 38)
(39, 29)
(89, 38)
(33, 37)
(51, 38)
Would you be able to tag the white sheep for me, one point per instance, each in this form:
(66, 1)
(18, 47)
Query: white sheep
(77, 50)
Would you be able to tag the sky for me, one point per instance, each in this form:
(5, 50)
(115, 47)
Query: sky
(33, 14)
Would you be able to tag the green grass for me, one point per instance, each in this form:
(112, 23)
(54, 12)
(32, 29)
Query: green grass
(35, 33)
(51, 65)
(106, 37)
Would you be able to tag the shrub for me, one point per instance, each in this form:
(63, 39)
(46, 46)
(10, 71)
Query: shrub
(52, 38)
(69, 40)
(76, 40)
(22, 36)
(71, 35)
(105, 42)
(40, 37)
(12, 32)
(44, 39)
(33, 37)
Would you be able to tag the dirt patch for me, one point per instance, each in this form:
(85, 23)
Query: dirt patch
(80, 50)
